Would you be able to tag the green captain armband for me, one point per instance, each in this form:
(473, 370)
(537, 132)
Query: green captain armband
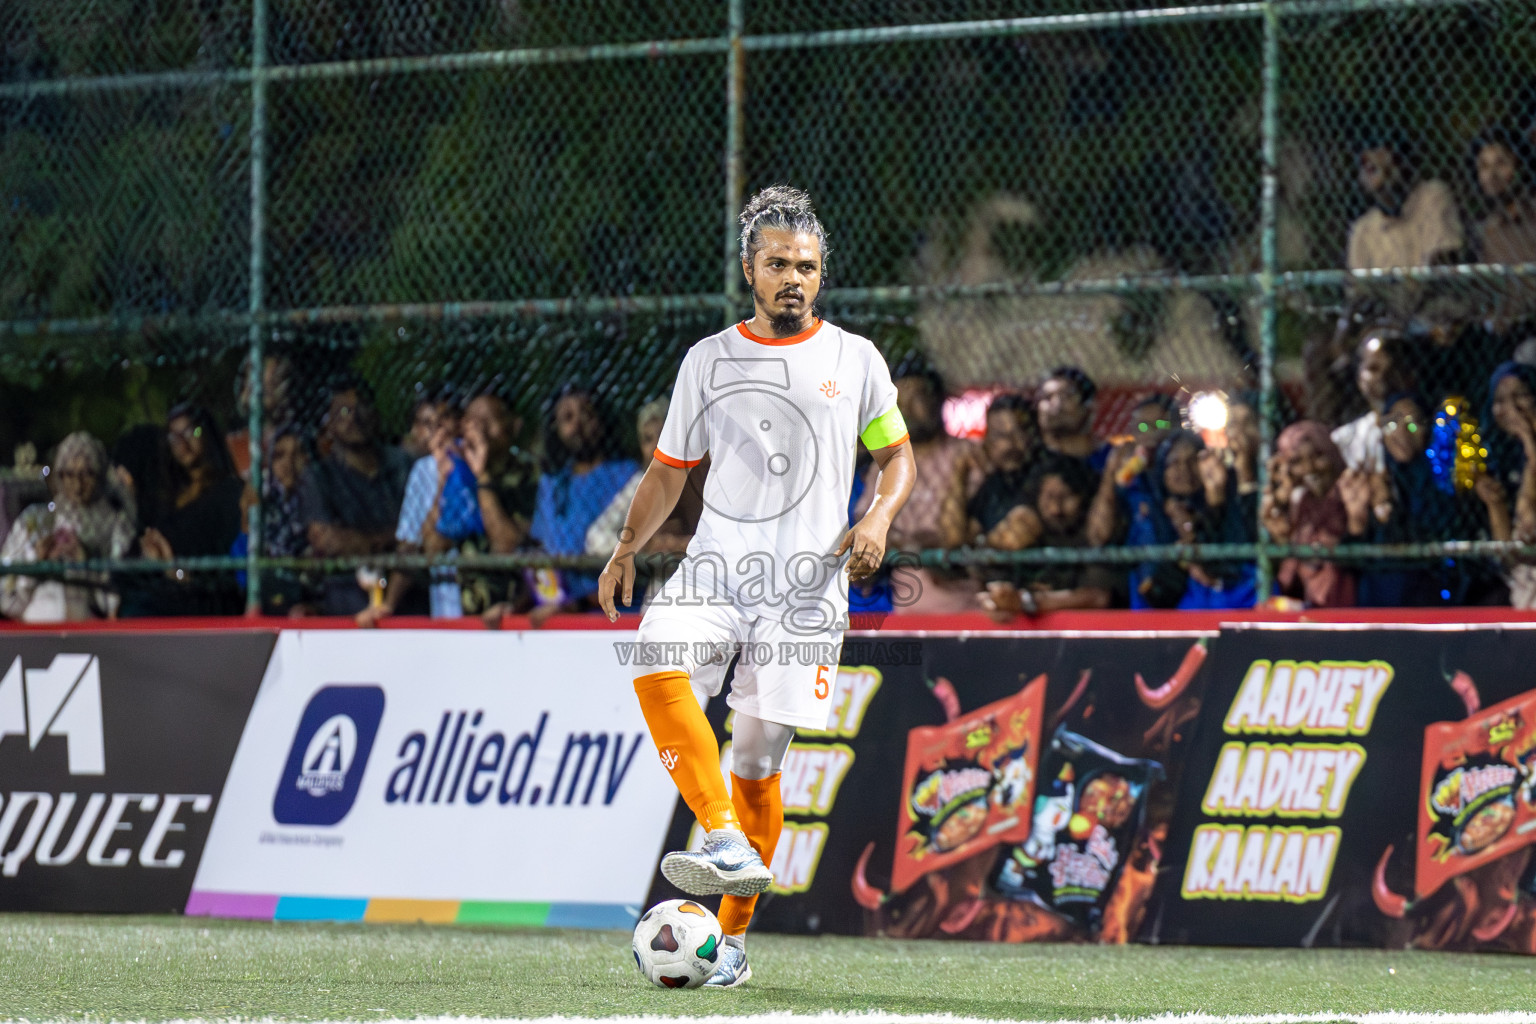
(885, 430)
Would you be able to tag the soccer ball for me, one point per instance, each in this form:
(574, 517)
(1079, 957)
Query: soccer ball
(677, 944)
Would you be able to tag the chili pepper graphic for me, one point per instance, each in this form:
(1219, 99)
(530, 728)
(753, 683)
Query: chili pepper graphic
(1177, 683)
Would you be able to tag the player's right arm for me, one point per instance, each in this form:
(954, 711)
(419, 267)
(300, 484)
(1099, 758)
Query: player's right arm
(654, 501)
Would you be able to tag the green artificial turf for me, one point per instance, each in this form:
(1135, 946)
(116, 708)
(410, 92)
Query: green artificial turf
(136, 968)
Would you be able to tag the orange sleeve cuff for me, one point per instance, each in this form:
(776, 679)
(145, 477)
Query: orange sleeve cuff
(667, 460)
(896, 442)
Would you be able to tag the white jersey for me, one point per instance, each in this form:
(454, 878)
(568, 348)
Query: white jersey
(780, 420)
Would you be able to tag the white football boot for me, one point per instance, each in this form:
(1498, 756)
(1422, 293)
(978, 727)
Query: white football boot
(726, 865)
(733, 969)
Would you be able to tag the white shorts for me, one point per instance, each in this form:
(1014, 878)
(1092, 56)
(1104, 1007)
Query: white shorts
(781, 676)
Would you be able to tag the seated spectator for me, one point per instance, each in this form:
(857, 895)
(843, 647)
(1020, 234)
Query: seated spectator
(430, 473)
(1407, 505)
(1509, 430)
(918, 526)
(1153, 417)
(1381, 368)
(350, 500)
(425, 416)
(1190, 498)
(1242, 441)
(1056, 493)
(579, 481)
(991, 516)
(1304, 506)
(1508, 234)
(500, 509)
(1123, 483)
(1411, 223)
(1064, 412)
(202, 517)
(82, 521)
(672, 536)
(277, 411)
(283, 532)
(1509, 425)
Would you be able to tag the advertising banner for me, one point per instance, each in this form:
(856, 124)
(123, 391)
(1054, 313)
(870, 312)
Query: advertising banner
(442, 776)
(113, 753)
(1359, 786)
(988, 786)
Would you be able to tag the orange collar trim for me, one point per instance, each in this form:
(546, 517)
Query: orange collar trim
(793, 339)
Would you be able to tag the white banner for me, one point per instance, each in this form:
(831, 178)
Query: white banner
(442, 765)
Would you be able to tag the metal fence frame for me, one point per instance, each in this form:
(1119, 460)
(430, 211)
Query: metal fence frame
(1267, 284)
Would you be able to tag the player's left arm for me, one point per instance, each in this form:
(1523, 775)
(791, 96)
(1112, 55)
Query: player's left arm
(866, 540)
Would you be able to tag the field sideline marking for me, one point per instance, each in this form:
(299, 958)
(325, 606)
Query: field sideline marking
(876, 1017)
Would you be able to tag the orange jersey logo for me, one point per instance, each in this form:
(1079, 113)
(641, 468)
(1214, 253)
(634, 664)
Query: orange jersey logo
(830, 389)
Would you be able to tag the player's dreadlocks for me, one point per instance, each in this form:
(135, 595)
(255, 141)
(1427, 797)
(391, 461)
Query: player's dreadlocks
(784, 208)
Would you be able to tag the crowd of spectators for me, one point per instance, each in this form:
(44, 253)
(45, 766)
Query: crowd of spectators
(456, 481)
(1415, 422)
(1040, 476)
(1417, 405)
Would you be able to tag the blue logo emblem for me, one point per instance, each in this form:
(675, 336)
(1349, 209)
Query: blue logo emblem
(329, 752)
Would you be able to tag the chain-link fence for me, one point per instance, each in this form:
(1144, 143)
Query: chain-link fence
(376, 236)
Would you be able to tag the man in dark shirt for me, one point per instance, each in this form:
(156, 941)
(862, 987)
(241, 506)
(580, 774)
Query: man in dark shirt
(1064, 410)
(1004, 456)
(350, 501)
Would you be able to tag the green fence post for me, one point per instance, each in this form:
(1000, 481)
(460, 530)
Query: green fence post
(735, 115)
(258, 288)
(1269, 128)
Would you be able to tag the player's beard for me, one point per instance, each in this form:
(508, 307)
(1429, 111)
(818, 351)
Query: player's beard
(789, 321)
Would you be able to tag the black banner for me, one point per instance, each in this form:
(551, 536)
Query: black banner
(113, 753)
(1359, 785)
(1087, 762)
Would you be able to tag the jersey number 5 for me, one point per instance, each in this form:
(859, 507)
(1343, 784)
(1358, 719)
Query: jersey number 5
(823, 685)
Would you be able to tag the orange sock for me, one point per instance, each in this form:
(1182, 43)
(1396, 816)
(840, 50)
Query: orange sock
(687, 745)
(760, 803)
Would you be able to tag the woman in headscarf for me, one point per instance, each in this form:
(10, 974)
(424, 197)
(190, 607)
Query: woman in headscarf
(1509, 430)
(1304, 506)
(1190, 498)
(82, 521)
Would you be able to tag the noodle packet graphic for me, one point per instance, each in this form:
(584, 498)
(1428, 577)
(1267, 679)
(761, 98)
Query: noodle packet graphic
(1091, 805)
(1476, 802)
(968, 784)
